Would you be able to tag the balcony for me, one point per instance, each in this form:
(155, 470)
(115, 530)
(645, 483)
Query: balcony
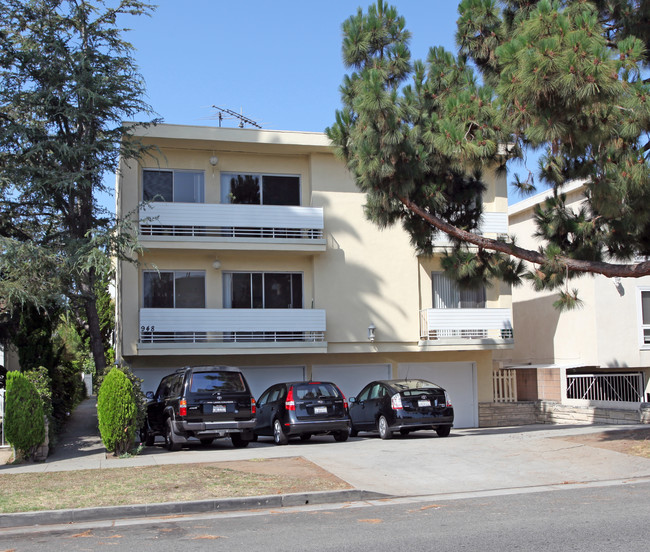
(468, 326)
(491, 223)
(232, 328)
(287, 227)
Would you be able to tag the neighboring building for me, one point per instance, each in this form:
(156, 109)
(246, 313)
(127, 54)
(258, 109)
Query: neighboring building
(588, 364)
(258, 254)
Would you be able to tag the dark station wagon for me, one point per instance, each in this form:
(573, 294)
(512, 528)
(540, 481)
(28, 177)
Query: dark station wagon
(202, 402)
(402, 405)
(302, 409)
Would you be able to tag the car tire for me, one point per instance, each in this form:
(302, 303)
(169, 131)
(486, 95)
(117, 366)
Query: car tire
(382, 427)
(172, 445)
(305, 436)
(206, 442)
(404, 432)
(443, 431)
(353, 432)
(238, 441)
(341, 436)
(279, 437)
(147, 437)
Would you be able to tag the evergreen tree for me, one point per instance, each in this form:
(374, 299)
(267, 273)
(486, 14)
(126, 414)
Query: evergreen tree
(67, 81)
(565, 76)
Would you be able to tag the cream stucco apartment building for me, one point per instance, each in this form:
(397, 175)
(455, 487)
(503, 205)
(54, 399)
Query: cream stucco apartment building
(257, 254)
(585, 365)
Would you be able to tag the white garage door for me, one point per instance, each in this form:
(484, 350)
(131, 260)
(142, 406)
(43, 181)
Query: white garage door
(261, 377)
(459, 380)
(351, 378)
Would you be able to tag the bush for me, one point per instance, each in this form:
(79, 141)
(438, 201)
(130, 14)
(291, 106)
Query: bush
(43, 385)
(117, 412)
(24, 420)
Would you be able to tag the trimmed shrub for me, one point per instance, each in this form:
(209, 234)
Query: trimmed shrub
(117, 412)
(43, 384)
(24, 420)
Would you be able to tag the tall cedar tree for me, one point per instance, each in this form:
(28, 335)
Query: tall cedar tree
(564, 76)
(67, 81)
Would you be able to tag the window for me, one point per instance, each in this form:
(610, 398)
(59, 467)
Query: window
(448, 295)
(262, 290)
(173, 186)
(260, 189)
(644, 316)
(177, 289)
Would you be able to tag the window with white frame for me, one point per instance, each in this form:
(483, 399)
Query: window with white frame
(173, 289)
(173, 186)
(260, 189)
(262, 290)
(448, 295)
(644, 317)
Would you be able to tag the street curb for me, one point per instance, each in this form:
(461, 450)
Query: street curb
(76, 515)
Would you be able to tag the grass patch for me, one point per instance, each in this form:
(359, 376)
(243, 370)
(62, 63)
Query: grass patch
(143, 485)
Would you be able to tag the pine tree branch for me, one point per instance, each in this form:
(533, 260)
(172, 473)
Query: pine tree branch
(609, 270)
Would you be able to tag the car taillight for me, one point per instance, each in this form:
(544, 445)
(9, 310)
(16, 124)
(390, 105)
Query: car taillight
(182, 411)
(396, 402)
(345, 401)
(289, 404)
(447, 399)
(253, 406)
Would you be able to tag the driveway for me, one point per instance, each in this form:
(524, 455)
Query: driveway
(418, 464)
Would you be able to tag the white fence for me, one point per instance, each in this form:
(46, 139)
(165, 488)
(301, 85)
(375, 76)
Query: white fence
(606, 387)
(504, 386)
(3, 443)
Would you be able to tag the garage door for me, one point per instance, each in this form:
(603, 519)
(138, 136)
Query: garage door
(261, 377)
(458, 378)
(351, 378)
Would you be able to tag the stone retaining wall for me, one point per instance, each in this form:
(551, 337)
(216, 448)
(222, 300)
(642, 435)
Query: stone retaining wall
(549, 412)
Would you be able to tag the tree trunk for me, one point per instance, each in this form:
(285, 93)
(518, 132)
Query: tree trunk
(92, 319)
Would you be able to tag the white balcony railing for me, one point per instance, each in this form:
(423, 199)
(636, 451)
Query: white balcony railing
(465, 324)
(491, 223)
(231, 325)
(232, 221)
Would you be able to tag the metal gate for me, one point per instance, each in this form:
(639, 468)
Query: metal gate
(606, 387)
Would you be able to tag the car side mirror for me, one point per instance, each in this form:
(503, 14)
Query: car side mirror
(352, 400)
(149, 395)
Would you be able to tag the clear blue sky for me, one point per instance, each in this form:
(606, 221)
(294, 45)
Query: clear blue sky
(279, 62)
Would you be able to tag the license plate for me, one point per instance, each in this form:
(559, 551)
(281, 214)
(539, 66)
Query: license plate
(218, 408)
(424, 403)
(320, 410)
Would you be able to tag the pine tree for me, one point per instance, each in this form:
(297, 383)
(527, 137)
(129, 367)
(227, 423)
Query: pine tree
(67, 81)
(562, 76)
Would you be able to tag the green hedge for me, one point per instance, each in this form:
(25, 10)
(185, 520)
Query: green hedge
(24, 421)
(117, 412)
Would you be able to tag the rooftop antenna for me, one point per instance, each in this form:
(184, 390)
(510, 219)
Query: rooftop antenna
(242, 120)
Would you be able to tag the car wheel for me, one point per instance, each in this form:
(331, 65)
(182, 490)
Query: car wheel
(404, 431)
(382, 427)
(206, 442)
(341, 436)
(443, 431)
(238, 441)
(353, 432)
(305, 436)
(279, 438)
(147, 437)
(169, 437)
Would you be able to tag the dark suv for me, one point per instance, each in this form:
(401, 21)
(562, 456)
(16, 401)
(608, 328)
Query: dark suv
(205, 402)
(302, 409)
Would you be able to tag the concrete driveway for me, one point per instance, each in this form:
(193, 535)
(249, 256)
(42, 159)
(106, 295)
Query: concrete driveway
(418, 464)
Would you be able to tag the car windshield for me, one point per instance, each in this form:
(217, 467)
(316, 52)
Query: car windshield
(209, 382)
(407, 385)
(316, 390)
